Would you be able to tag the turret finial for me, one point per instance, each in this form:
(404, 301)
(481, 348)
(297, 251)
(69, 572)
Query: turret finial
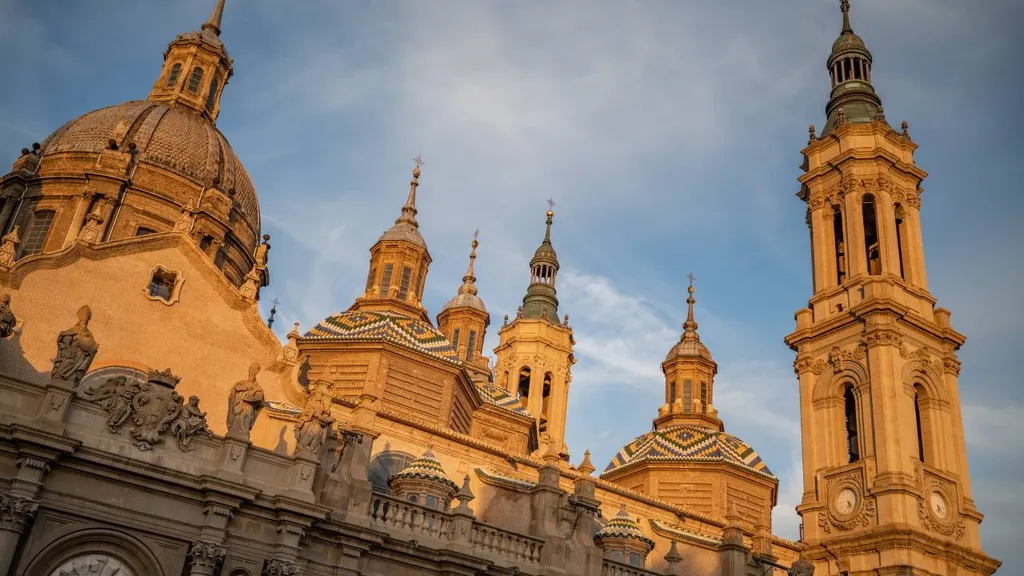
(213, 23)
(690, 326)
(844, 6)
(550, 214)
(409, 210)
(469, 280)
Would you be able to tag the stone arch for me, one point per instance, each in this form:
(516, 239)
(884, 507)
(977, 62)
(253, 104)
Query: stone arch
(100, 547)
(239, 572)
(101, 375)
(830, 386)
(923, 373)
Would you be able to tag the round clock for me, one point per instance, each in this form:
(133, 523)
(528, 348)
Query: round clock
(846, 501)
(938, 504)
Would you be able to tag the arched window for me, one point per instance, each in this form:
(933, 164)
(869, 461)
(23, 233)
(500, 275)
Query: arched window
(172, 78)
(874, 254)
(687, 396)
(403, 286)
(470, 345)
(837, 232)
(196, 80)
(523, 391)
(385, 281)
(901, 233)
(545, 395)
(211, 98)
(385, 465)
(370, 278)
(38, 230)
(850, 419)
(917, 419)
(672, 392)
(456, 336)
(92, 564)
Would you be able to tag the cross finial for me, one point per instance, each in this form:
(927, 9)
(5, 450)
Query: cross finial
(551, 204)
(418, 161)
(275, 302)
(476, 234)
(691, 278)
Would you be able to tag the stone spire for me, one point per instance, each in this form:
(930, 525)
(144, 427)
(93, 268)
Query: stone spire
(469, 280)
(541, 301)
(853, 98)
(213, 23)
(689, 343)
(464, 319)
(408, 215)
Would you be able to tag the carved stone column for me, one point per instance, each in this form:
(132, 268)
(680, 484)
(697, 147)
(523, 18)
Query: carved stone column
(16, 513)
(205, 557)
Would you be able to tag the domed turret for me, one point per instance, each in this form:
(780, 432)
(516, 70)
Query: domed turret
(622, 540)
(424, 481)
(464, 320)
(853, 98)
(541, 300)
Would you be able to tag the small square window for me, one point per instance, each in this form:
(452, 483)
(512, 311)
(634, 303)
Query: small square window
(164, 285)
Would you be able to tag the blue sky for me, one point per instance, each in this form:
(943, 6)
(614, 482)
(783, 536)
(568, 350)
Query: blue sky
(667, 132)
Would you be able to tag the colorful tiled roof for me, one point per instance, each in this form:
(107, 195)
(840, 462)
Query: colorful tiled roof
(385, 326)
(427, 467)
(687, 443)
(497, 396)
(623, 526)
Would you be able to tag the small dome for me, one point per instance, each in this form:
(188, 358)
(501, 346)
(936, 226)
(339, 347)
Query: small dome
(426, 467)
(689, 348)
(465, 300)
(545, 252)
(180, 142)
(849, 42)
(404, 231)
(623, 526)
(688, 443)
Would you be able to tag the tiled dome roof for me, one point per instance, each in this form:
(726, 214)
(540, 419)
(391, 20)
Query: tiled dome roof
(388, 327)
(181, 142)
(623, 526)
(687, 443)
(426, 467)
(497, 396)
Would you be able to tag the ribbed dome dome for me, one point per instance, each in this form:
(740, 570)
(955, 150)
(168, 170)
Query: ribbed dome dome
(175, 140)
(465, 300)
(689, 348)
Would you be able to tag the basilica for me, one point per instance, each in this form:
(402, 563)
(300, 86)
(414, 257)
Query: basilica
(151, 423)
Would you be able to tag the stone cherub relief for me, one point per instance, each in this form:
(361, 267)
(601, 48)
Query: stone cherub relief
(7, 319)
(315, 420)
(76, 349)
(153, 407)
(244, 404)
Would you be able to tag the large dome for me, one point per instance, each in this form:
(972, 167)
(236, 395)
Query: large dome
(687, 443)
(176, 140)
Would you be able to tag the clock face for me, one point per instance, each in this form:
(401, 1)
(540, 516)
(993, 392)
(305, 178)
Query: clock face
(846, 501)
(938, 503)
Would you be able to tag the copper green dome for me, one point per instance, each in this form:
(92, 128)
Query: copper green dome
(853, 99)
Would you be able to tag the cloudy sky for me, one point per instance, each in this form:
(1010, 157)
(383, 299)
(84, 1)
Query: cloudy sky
(668, 133)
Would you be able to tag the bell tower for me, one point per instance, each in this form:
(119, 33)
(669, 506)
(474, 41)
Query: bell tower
(886, 488)
(535, 353)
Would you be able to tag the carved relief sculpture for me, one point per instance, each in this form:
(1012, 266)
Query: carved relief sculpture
(7, 319)
(278, 567)
(244, 403)
(9, 248)
(154, 407)
(76, 349)
(91, 231)
(205, 557)
(312, 426)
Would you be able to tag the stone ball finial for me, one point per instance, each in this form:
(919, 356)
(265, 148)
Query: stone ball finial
(36, 146)
(25, 151)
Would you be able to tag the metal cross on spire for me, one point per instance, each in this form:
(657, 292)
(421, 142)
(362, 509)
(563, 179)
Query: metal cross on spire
(551, 204)
(691, 278)
(418, 161)
(476, 233)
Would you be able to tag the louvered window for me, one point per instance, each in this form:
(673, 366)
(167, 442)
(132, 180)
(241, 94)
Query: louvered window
(687, 396)
(385, 281)
(470, 345)
(403, 288)
(369, 278)
(172, 78)
(455, 338)
(38, 230)
(196, 80)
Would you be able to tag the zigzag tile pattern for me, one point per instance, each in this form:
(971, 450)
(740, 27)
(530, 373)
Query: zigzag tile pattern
(497, 396)
(689, 444)
(382, 326)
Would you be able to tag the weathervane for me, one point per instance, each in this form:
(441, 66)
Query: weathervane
(418, 161)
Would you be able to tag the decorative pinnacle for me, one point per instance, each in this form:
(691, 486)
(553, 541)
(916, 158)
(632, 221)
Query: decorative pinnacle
(468, 281)
(690, 326)
(409, 210)
(586, 467)
(844, 6)
(213, 23)
(550, 214)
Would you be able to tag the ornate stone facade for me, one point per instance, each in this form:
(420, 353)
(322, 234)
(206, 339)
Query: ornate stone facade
(341, 451)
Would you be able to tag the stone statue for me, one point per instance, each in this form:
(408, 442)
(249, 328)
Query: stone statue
(115, 396)
(9, 248)
(191, 421)
(874, 262)
(76, 349)
(7, 319)
(802, 567)
(316, 418)
(244, 403)
(261, 253)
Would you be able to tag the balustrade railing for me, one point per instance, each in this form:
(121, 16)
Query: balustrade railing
(414, 518)
(613, 568)
(515, 547)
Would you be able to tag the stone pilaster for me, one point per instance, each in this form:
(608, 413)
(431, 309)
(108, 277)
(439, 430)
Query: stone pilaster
(232, 457)
(545, 507)
(205, 558)
(16, 513)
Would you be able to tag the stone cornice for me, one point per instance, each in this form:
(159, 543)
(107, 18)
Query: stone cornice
(901, 537)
